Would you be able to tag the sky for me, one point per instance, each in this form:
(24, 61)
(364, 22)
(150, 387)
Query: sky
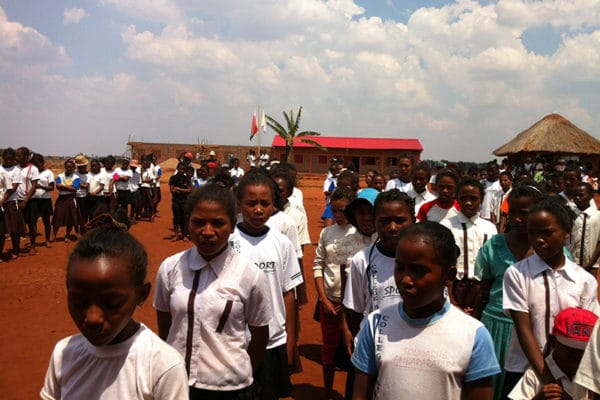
(462, 77)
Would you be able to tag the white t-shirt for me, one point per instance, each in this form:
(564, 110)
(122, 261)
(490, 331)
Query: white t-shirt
(524, 291)
(296, 199)
(530, 385)
(46, 178)
(157, 172)
(587, 374)
(420, 198)
(142, 367)
(120, 172)
(29, 175)
(281, 222)
(491, 192)
(479, 231)
(582, 255)
(136, 179)
(396, 183)
(219, 361)
(107, 177)
(148, 176)
(83, 179)
(274, 255)
(429, 358)
(367, 291)
(300, 220)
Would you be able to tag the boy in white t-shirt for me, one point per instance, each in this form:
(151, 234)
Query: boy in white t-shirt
(570, 335)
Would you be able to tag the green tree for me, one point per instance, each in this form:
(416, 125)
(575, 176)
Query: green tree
(291, 133)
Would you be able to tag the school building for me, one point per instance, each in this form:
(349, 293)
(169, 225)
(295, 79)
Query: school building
(380, 154)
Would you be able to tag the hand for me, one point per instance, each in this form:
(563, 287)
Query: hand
(551, 391)
(329, 308)
(348, 341)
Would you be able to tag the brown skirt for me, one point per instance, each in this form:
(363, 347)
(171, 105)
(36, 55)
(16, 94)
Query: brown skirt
(13, 218)
(65, 211)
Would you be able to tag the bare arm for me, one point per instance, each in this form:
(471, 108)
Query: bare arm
(290, 324)
(258, 344)
(527, 340)
(481, 389)
(327, 305)
(163, 320)
(363, 385)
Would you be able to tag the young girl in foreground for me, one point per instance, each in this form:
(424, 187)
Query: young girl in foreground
(537, 288)
(208, 297)
(114, 357)
(424, 347)
(274, 255)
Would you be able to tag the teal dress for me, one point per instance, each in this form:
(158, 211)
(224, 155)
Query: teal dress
(493, 260)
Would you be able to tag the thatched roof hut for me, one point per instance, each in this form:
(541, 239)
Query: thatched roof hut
(551, 134)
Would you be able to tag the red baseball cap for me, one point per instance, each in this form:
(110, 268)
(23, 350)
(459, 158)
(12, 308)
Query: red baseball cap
(212, 164)
(189, 156)
(573, 327)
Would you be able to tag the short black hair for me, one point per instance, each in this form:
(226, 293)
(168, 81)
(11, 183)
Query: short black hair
(439, 237)
(343, 193)
(352, 176)
(468, 181)
(528, 191)
(561, 211)
(392, 196)
(212, 192)
(112, 242)
(258, 177)
(449, 173)
(286, 177)
(422, 166)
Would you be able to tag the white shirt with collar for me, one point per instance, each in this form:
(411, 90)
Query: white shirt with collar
(398, 184)
(491, 191)
(479, 231)
(524, 291)
(219, 361)
(590, 238)
(420, 198)
(530, 385)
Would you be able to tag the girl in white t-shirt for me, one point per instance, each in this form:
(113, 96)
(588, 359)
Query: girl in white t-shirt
(274, 254)
(114, 356)
(42, 196)
(212, 304)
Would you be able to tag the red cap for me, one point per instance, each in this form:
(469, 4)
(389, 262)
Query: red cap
(573, 327)
(212, 164)
(189, 155)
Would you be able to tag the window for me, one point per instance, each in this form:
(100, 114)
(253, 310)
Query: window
(322, 159)
(391, 161)
(370, 160)
(298, 158)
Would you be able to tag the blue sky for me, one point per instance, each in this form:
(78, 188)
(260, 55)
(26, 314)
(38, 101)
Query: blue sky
(463, 77)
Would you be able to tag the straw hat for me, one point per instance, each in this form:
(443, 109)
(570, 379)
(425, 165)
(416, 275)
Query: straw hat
(80, 160)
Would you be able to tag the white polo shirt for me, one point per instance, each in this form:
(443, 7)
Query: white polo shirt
(398, 184)
(46, 178)
(219, 361)
(582, 255)
(479, 231)
(524, 291)
(420, 198)
(29, 175)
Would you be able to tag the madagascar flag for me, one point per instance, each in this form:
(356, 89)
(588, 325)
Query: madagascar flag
(254, 127)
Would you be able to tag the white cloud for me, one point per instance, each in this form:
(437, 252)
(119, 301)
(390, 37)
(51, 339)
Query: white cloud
(457, 77)
(73, 15)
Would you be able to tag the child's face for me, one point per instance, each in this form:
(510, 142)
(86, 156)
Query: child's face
(69, 168)
(378, 183)
(256, 207)
(420, 178)
(203, 172)
(446, 188)
(284, 189)
(390, 219)
(368, 178)
(567, 358)
(571, 178)
(210, 228)
(546, 236)
(469, 199)
(581, 197)
(419, 277)
(505, 182)
(95, 167)
(8, 161)
(557, 185)
(518, 210)
(181, 169)
(337, 208)
(102, 298)
(363, 214)
(21, 157)
(404, 169)
(124, 164)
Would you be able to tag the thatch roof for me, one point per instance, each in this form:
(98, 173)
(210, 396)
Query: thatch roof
(551, 134)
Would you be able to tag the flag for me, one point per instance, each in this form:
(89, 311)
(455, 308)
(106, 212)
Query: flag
(263, 122)
(254, 127)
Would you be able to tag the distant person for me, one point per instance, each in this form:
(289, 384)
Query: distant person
(445, 206)
(263, 159)
(25, 190)
(65, 210)
(492, 187)
(403, 181)
(378, 182)
(114, 356)
(251, 158)
(180, 186)
(43, 196)
(236, 171)
(420, 176)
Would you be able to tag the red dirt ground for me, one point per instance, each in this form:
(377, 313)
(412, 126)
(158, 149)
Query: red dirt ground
(34, 316)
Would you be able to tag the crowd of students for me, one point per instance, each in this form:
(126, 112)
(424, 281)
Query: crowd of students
(451, 286)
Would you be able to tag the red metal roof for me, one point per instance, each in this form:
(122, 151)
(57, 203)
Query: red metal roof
(335, 142)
